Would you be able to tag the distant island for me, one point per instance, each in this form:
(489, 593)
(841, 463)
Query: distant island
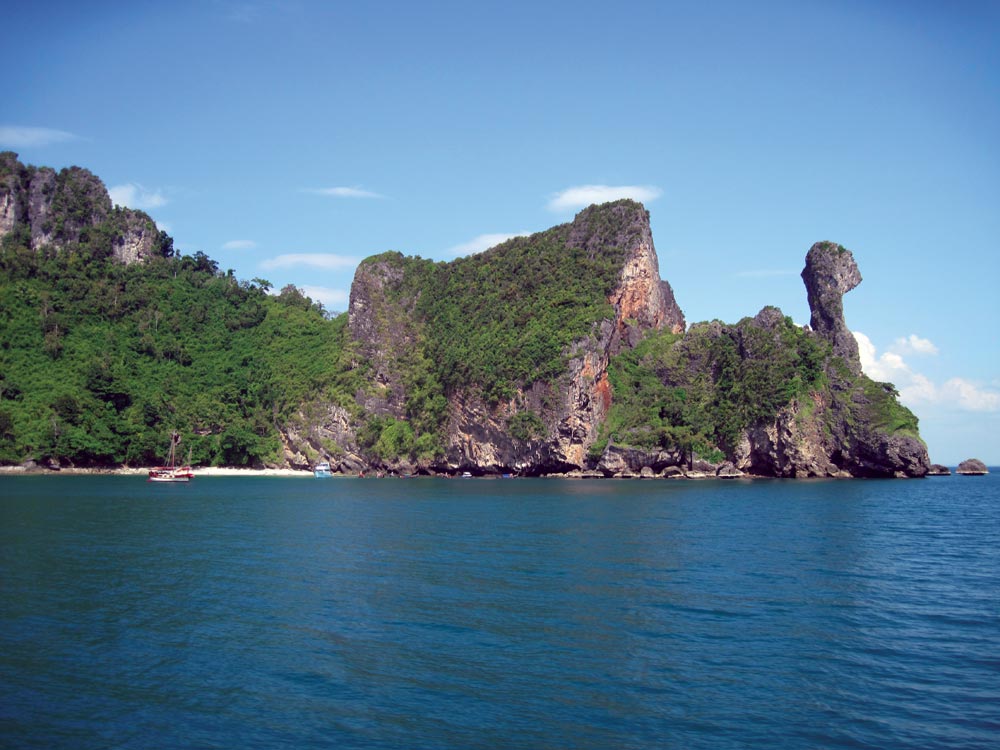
(561, 353)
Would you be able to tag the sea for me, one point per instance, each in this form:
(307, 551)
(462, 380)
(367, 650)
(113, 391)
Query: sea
(262, 612)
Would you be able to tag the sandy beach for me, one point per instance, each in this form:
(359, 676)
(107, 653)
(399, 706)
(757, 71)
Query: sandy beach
(218, 471)
(199, 471)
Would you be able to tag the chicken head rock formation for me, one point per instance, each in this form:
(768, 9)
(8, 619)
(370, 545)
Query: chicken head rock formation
(830, 273)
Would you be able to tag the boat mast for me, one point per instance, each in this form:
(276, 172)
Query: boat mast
(175, 439)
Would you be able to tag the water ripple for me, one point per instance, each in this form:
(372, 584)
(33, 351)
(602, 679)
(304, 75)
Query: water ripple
(531, 614)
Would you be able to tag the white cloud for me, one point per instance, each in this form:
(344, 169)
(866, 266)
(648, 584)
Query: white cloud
(344, 192)
(913, 344)
(866, 349)
(482, 242)
(328, 261)
(582, 196)
(916, 388)
(887, 368)
(15, 136)
(332, 299)
(969, 396)
(239, 245)
(919, 390)
(134, 195)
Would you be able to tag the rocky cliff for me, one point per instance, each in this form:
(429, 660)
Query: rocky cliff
(761, 397)
(857, 426)
(69, 208)
(574, 405)
(811, 413)
(540, 422)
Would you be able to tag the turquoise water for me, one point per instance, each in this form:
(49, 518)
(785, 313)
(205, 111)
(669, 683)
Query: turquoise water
(429, 613)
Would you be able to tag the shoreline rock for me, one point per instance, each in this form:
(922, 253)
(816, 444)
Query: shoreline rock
(972, 467)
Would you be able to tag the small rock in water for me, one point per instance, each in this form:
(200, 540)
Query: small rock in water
(972, 466)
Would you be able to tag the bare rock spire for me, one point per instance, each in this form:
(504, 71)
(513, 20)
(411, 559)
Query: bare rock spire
(829, 274)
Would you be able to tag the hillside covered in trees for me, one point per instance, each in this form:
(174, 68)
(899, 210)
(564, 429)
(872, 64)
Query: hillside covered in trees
(560, 352)
(100, 361)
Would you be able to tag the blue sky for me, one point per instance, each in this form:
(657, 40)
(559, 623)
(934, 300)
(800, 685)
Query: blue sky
(287, 140)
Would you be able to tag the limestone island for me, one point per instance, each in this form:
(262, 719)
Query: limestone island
(562, 353)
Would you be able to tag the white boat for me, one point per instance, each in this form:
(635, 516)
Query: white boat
(321, 470)
(171, 473)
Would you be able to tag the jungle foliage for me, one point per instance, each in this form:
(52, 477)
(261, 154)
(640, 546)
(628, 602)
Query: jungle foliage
(491, 323)
(505, 317)
(100, 361)
(698, 392)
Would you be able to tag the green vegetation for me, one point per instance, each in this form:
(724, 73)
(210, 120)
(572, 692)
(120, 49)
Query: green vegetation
(698, 392)
(492, 323)
(505, 318)
(100, 361)
(525, 426)
(882, 411)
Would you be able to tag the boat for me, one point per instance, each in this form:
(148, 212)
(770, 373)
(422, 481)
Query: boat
(321, 470)
(171, 473)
